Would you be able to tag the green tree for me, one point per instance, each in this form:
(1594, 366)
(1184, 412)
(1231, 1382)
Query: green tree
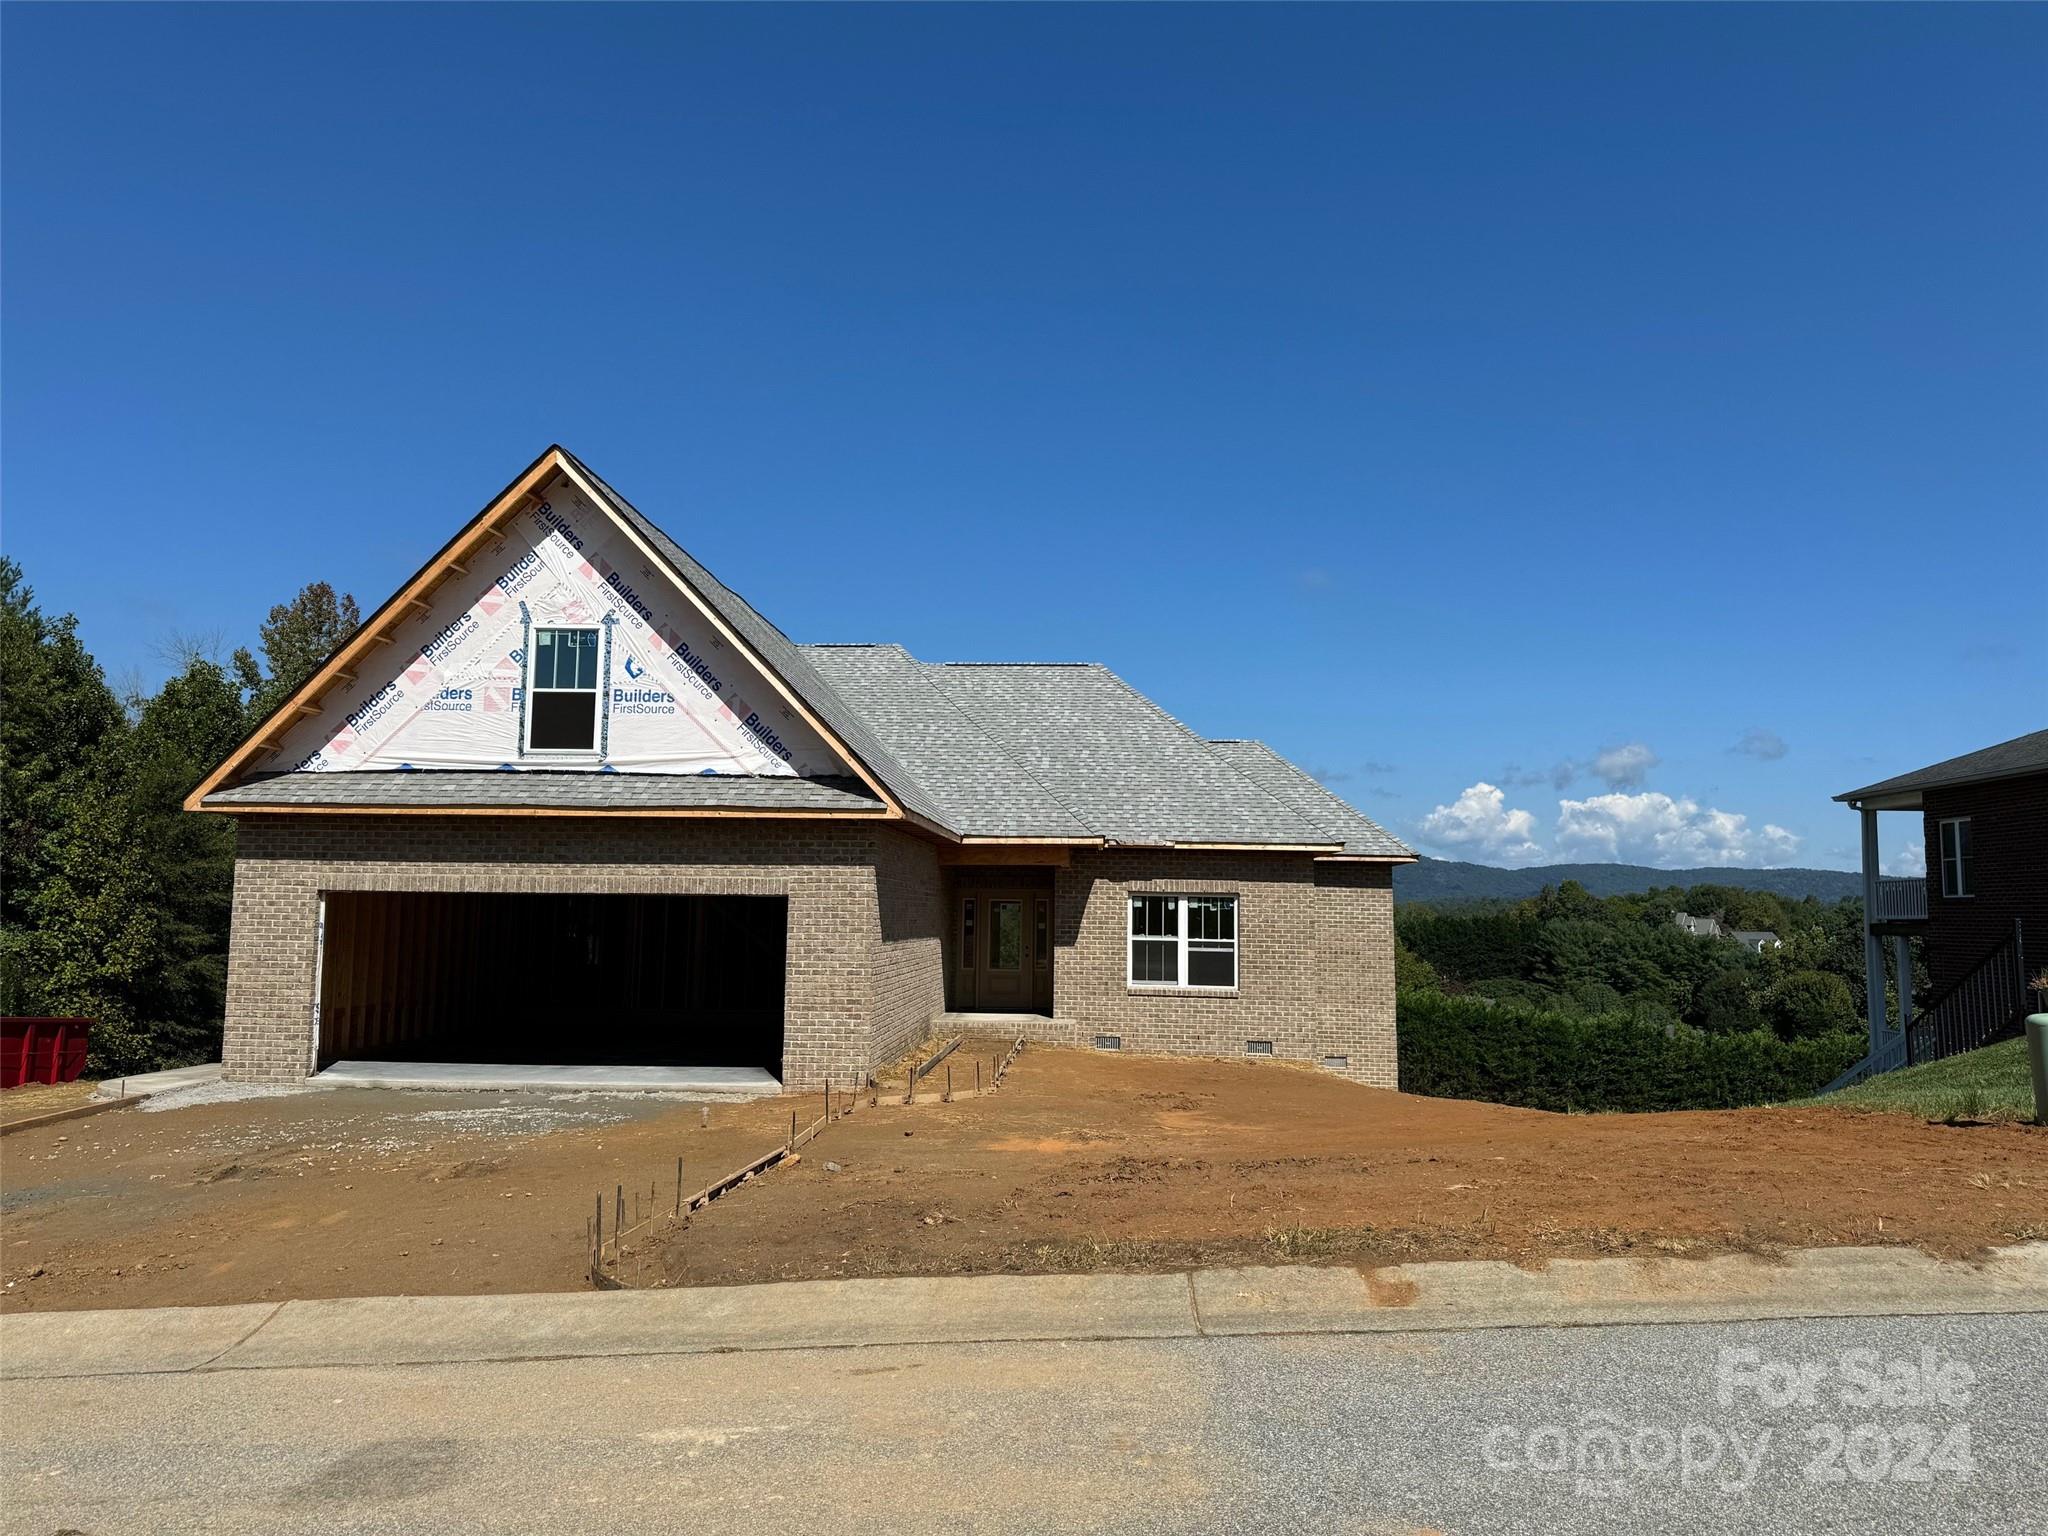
(116, 899)
(1727, 1004)
(1806, 1004)
(193, 722)
(294, 640)
(92, 926)
(58, 718)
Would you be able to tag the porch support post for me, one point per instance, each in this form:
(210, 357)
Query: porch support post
(1902, 964)
(1873, 947)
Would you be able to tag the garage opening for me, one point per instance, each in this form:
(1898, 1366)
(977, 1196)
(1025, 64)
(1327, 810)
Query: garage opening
(624, 981)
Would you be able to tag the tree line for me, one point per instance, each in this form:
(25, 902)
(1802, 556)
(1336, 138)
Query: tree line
(1572, 1001)
(114, 901)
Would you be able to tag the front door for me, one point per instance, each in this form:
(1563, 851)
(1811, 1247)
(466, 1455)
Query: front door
(1006, 969)
(1004, 954)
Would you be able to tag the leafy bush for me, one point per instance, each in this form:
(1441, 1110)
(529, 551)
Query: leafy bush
(1727, 1005)
(1508, 1053)
(1411, 971)
(1804, 1004)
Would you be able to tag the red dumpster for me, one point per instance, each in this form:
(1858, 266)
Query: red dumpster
(42, 1050)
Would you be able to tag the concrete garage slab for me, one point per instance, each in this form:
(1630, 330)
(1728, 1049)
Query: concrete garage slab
(690, 1082)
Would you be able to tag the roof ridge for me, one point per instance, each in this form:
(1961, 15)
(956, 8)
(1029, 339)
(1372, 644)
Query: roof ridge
(1226, 763)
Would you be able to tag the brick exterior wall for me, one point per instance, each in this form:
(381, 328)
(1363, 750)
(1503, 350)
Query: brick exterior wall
(868, 907)
(1355, 969)
(2009, 873)
(826, 869)
(1315, 958)
(908, 968)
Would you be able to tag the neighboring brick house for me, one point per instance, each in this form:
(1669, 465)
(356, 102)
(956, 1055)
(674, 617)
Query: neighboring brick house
(566, 798)
(1981, 910)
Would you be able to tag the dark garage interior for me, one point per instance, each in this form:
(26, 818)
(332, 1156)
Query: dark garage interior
(528, 978)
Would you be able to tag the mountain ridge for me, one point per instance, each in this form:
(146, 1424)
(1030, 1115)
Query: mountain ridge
(1451, 880)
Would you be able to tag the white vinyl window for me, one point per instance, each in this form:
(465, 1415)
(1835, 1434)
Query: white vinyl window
(1955, 857)
(1183, 941)
(561, 699)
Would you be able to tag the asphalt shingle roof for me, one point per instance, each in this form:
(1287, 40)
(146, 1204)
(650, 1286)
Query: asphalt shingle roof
(1127, 769)
(1358, 833)
(2013, 759)
(1059, 750)
(980, 788)
(425, 789)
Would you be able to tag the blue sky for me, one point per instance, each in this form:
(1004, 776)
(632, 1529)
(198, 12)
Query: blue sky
(1568, 430)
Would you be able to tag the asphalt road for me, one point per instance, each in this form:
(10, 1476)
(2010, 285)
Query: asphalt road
(1650, 1428)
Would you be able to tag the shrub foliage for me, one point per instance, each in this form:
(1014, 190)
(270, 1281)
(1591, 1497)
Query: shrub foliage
(1513, 1053)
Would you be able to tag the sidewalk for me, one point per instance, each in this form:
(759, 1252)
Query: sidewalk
(114, 1092)
(142, 1084)
(841, 1314)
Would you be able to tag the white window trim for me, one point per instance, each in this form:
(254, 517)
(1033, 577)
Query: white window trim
(1181, 900)
(1963, 890)
(594, 752)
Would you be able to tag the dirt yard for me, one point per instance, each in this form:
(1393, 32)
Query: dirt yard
(31, 1101)
(1082, 1161)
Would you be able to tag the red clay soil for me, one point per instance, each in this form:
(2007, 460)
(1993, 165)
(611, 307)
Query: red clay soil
(355, 1192)
(1082, 1161)
(1087, 1161)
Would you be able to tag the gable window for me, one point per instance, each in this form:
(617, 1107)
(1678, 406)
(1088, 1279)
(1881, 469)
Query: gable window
(1955, 857)
(1183, 941)
(561, 709)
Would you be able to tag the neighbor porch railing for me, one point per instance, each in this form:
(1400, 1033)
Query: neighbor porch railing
(1900, 900)
(1970, 1014)
(1976, 1008)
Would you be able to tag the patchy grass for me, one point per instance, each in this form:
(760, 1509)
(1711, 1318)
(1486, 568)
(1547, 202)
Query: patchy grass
(33, 1100)
(1991, 1084)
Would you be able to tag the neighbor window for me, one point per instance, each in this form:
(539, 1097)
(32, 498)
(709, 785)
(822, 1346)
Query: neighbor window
(1955, 857)
(561, 704)
(1183, 941)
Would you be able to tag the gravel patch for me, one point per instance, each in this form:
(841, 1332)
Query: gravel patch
(214, 1093)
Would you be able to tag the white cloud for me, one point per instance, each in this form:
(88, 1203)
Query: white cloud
(1623, 767)
(1653, 828)
(1479, 821)
(1909, 860)
(1757, 742)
